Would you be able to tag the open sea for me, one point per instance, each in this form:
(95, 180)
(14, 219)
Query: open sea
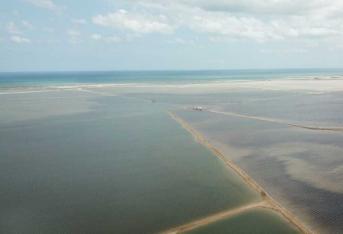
(108, 77)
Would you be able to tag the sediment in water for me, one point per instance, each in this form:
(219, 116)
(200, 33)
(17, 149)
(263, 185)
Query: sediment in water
(277, 121)
(272, 204)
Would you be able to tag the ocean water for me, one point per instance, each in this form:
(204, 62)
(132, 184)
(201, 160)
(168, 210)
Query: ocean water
(300, 168)
(109, 159)
(106, 77)
(115, 165)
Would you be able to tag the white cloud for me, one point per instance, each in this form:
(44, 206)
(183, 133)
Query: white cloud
(46, 4)
(259, 20)
(96, 36)
(135, 22)
(112, 39)
(253, 7)
(73, 33)
(182, 41)
(284, 51)
(19, 39)
(74, 36)
(16, 33)
(79, 21)
(273, 7)
(12, 28)
(108, 39)
(232, 26)
(26, 24)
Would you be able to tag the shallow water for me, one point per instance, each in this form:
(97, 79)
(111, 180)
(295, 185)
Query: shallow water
(300, 168)
(85, 160)
(124, 166)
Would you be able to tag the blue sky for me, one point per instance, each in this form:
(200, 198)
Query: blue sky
(41, 35)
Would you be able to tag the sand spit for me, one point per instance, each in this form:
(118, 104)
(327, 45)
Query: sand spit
(216, 217)
(304, 84)
(315, 85)
(271, 120)
(94, 92)
(272, 204)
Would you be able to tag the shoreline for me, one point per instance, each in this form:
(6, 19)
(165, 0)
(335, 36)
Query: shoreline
(314, 85)
(272, 204)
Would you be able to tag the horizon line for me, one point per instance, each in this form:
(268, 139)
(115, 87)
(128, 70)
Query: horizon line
(173, 70)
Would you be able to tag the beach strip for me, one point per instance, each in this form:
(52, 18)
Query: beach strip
(215, 217)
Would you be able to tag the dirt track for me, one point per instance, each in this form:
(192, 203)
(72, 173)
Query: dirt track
(271, 120)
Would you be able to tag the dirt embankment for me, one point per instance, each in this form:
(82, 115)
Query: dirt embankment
(267, 201)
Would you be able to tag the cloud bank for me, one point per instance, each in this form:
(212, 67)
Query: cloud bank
(46, 4)
(141, 23)
(259, 20)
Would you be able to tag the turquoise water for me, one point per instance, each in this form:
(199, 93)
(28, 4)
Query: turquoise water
(55, 78)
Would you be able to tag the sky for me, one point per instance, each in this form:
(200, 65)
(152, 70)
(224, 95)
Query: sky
(58, 35)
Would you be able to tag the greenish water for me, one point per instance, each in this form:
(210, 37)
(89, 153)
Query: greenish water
(78, 159)
(258, 221)
(123, 167)
(24, 79)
